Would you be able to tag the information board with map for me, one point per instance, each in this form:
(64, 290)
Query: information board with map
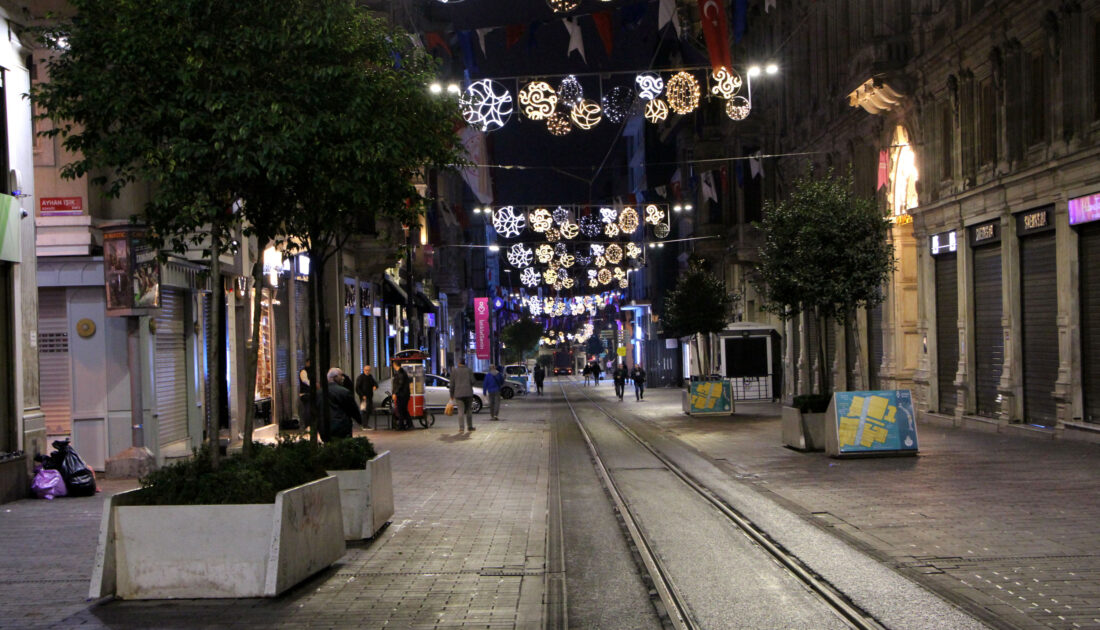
(871, 423)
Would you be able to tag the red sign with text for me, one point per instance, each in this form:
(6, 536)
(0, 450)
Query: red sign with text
(60, 206)
(481, 326)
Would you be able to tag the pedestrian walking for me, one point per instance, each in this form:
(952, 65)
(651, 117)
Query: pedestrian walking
(401, 392)
(365, 386)
(462, 391)
(587, 372)
(305, 394)
(342, 408)
(596, 371)
(638, 376)
(619, 376)
(494, 380)
(540, 376)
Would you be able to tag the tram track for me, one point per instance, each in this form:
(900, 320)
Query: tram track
(676, 608)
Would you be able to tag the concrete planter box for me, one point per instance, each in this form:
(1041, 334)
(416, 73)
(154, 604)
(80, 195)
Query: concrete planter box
(217, 551)
(366, 497)
(803, 431)
(14, 481)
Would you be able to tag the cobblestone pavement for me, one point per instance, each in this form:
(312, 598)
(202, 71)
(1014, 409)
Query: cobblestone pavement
(1007, 526)
(465, 548)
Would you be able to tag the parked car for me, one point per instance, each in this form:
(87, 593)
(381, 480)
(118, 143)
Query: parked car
(517, 370)
(512, 386)
(436, 394)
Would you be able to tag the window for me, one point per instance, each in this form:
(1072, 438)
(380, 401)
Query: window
(1037, 101)
(987, 123)
(947, 142)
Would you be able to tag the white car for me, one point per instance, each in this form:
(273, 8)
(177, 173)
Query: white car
(436, 394)
(512, 387)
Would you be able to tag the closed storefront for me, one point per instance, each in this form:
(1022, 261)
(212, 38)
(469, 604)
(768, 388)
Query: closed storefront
(53, 360)
(874, 347)
(1088, 244)
(988, 332)
(1039, 313)
(947, 317)
(170, 367)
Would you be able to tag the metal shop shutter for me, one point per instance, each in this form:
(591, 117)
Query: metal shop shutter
(170, 367)
(1089, 253)
(851, 352)
(874, 347)
(947, 333)
(54, 372)
(1039, 298)
(989, 342)
(301, 321)
(830, 351)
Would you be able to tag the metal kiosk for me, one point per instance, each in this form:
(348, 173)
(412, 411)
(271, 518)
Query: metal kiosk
(414, 366)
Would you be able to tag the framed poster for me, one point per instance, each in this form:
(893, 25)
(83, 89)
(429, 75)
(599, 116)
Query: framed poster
(131, 272)
(871, 423)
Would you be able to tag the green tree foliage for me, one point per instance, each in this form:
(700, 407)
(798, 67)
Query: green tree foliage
(698, 305)
(521, 337)
(825, 252)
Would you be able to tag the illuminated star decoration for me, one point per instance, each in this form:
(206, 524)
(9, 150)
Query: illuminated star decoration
(508, 223)
(738, 108)
(726, 83)
(559, 124)
(560, 215)
(520, 256)
(656, 111)
(616, 103)
(591, 226)
(544, 253)
(570, 230)
(586, 114)
(540, 220)
(529, 277)
(570, 91)
(608, 215)
(654, 214)
(539, 100)
(633, 251)
(486, 104)
(683, 93)
(650, 85)
(628, 220)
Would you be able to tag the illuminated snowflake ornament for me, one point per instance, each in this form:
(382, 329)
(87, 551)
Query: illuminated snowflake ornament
(544, 253)
(650, 85)
(539, 100)
(550, 276)
(661, 230)
(559, 124)
(553, 235)
(486, 105)
(726, 83)
(597, 249)
(656, 111)
(534, 306)
(609, 215)
(738, 108)
(586, 114)
(570, 230)
(654, 214)
(540, 220)
(683, 93)
(614, 254)
(616, 104)
(591, 226)
(570, 92)
(520, 256)
(628, 220)
(508, 223)
(560, 215)
(529, 277)
(633, 251)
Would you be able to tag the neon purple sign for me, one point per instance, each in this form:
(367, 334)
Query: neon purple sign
(1084, 209)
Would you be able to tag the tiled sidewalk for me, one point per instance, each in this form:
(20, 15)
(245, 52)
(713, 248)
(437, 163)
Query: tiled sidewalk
(465, 548)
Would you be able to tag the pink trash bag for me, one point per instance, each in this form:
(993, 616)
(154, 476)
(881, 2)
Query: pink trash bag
(48, 484)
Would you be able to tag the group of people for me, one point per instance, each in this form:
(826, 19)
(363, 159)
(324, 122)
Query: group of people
(592, 371)
(620, 375)
(462, 392)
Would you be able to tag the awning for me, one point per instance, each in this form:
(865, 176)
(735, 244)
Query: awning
(392, 293)
(423, 303)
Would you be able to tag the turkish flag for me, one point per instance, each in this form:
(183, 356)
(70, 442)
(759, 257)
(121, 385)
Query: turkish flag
(716, 32)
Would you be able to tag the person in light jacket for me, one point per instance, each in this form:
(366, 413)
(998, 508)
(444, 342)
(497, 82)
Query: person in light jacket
(462, 391)
(494, 380)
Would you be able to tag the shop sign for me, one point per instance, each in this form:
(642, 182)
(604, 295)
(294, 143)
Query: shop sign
(1034, 221)
(872, 422)
(943, 243)
(481, 326)
(60, 206)
(131, 271)
(10, 216)
(1084, 209)
(985, 233)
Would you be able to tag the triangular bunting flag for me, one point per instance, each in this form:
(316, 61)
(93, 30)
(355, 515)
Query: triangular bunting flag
(481, 33)
(576, 38)
(707, 183)
(513, 34)
(756, 165)
(769, 5)
(433, 40)
(666, 13)
(603, 27)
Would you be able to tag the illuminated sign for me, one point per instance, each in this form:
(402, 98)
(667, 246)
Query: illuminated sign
(944, 243)
(1034, 220)
(481, 326)
(1084, 209)
(986, 233)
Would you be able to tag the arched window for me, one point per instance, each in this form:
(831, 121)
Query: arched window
(902, 181)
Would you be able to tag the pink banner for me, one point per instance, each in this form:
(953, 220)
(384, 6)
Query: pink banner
(481, 325)
(1084, 209)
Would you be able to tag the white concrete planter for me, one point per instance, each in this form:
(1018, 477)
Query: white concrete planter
(366, 497)
(217, 551)
(803, 431)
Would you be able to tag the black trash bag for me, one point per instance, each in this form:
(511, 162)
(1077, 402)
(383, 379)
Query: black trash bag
(79, 479)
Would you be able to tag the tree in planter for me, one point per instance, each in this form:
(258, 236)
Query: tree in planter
(698, 305)
(520, 337)
(825, 254)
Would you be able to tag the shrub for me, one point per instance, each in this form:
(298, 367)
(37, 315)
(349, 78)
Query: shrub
(257, 479)
(813, 403)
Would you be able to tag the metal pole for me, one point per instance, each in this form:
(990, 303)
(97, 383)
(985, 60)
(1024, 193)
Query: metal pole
(137, 404)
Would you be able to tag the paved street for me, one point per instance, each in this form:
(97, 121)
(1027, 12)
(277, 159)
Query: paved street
(1004, 526)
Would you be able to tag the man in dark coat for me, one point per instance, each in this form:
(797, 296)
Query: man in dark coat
(540, 376)
(402, 391)
(344, 410)
(638, 376)
(365, 386)
(619, 376)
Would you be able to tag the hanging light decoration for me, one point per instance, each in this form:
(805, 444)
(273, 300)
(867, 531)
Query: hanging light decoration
(611, 230)
(560, 249)
(726, 83)
(508, 223)
(566, 282)
(586, 114)
(608, 215)
(583, 260)
(563, 6)
(553, 235)
(628, 220)
(539, 100)
(567, 260)
(624, 283)
(656, 111)
(529, 277)
(619, 274)
(616, 103)
(544, 253)
(550, 276)
(570, 92)
(661, 230)
(593, 282)
(559, 124)
(560, 215)
(597, 249)
(604, 276)
(570, 230)
(633, 251)
(654, 214)
(738, 108)
(520, 256)
(591, 226)
(614, 254)
(683, 93)
(541, 220)
(486, 105)
(601, 261)
(650, 85)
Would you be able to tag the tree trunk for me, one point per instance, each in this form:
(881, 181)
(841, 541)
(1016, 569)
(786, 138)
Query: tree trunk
(213, 421)
(822, 371)
(254, 349)
(314, 360)
(324, 351)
